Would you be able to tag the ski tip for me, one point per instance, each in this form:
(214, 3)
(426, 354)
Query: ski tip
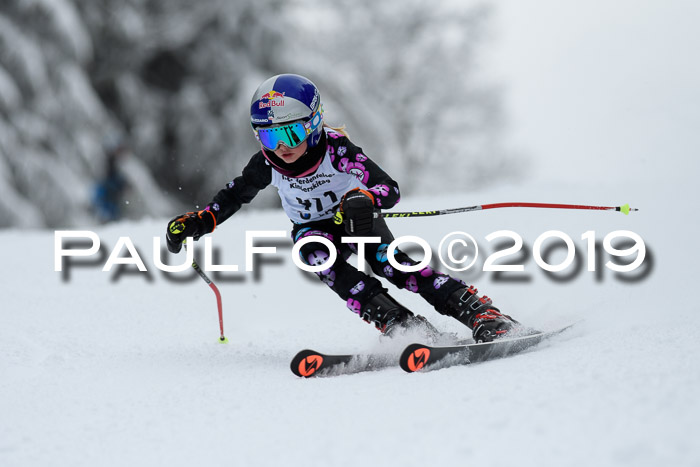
(414, 357)
(306, 363)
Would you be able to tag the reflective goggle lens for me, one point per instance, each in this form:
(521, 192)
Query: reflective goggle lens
(291, 135)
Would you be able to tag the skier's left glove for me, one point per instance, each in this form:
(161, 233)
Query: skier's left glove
(191, 224)
(357, 207)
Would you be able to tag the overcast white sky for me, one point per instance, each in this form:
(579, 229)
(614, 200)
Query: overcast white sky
(601, 88)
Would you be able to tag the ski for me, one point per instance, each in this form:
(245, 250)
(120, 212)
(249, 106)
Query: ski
(310, 363)
(423, 357)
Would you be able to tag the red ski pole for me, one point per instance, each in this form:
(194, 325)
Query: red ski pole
(625, 209)
(195, 266)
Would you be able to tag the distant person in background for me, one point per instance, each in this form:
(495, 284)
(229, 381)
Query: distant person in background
(330, 188)
(110, 189)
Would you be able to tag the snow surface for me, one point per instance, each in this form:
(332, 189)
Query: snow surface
(98, 369)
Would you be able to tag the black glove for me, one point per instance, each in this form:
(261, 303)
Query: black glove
(357, 207)
(191, 224)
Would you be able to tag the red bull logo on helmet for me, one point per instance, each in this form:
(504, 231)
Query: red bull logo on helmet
(273, 98)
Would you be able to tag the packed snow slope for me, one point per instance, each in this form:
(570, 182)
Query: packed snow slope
(101, 368)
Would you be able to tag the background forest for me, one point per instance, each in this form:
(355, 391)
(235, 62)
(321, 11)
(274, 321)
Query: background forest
(169, 82)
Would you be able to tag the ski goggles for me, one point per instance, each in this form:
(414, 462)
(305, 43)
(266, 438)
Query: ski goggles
(289, 134)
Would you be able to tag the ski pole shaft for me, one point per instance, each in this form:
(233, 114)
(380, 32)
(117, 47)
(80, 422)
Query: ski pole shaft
(213, 287)
(625, 209)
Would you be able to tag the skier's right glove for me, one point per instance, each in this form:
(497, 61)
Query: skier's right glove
(191, 224)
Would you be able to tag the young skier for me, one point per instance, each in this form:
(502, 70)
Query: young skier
(318, 172)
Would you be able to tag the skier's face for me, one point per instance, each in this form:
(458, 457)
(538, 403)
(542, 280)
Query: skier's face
(290, 155)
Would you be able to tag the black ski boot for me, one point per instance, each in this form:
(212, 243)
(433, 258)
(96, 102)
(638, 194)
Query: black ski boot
(392, 318)
(478, 314)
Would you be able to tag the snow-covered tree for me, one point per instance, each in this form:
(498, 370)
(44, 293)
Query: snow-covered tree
(172, 80)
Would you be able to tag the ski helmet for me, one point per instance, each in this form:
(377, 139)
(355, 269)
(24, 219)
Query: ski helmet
(287, 98)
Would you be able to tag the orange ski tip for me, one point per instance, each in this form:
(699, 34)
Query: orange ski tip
(418, 359)
(309, 365)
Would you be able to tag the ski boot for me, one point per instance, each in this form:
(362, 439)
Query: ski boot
(478, 314)
(392, 319)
